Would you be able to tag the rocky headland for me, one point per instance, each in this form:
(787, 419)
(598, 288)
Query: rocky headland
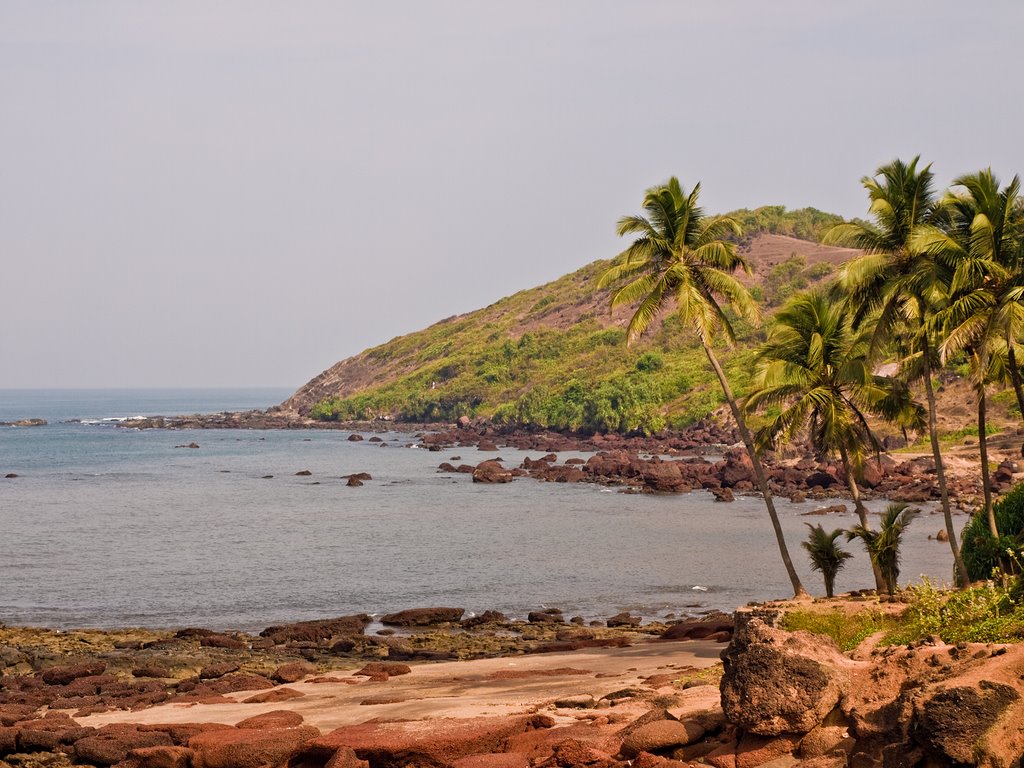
(433, 689)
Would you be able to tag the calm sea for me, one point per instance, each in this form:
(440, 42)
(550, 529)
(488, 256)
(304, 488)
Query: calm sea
(106, 526)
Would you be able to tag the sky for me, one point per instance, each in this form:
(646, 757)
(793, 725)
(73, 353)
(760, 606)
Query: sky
(230, 194)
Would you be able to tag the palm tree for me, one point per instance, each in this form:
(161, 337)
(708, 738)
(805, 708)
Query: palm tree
(883, 545)
(902, 286)
(979, 231)
(826, 556)
(680, 258)
(814, 365)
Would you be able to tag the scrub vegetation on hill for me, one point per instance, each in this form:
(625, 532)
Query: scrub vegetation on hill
(553, 356)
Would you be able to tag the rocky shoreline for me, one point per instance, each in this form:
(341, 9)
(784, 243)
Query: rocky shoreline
(545, 693)
(706, 456)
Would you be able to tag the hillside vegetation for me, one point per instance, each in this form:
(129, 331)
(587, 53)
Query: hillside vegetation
(554, 356)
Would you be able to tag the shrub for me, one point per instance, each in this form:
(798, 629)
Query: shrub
(981, 553)
(984, 614)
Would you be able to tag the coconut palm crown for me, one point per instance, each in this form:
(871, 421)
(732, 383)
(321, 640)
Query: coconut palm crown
(680, 258)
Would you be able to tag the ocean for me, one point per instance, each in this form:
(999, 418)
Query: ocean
(111, 527)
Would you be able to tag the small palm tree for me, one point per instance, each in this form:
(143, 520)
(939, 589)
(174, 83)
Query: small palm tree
(883, 545)
(682, 259)
(825, 554)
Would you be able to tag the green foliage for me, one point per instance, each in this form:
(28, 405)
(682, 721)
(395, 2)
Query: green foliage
(804, 223)
(981, 553)
(825, 554)
(983, 614)
(883, 545)
(790, 276)
(650, 361)
(847, 630)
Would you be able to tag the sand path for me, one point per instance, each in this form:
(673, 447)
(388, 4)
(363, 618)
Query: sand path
(499, 686)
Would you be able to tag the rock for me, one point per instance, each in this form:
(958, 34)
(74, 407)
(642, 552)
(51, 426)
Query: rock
(320, 629)
(248, 748)
(722, 494)
(821, 479)
(437, 742)
(958, 723)
(152, 670)
(11, 475)
(623, 620)
(487, 617)
(545, 617)
(222, 641)
(754, 750)
(112, 743)
(354, 482)
(491, 472)
(62, 675)
(274, 696)
(834, 509)
(779, 682)
(293, 672)
(942, 535)
(158, 757)
(486, 445)
(213, 671)
(583, 701)
(463, 422)
(355, 438)
(303, 473)
(493, 760)
(238, 681)
(660, 735)
(24, 423)
(698, 630)
(423, 617)
(391, 668)
(663, 476)
(736, 470)
(278, 718)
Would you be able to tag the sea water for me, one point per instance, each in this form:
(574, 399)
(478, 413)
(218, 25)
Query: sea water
(106, 526)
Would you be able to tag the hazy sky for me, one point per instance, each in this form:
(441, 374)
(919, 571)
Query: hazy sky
(242, 193)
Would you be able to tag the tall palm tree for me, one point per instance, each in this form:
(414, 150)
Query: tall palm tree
(979, 231)
(826, 556)
(680, 258)
(814, 365)
(902, 286)
(883, 545)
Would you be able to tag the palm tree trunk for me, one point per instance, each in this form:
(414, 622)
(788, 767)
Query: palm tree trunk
(986, 481)
(940, 473)
(862, 512)
(1018, 386)
(759, 476)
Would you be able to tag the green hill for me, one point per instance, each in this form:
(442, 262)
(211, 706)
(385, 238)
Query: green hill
(554, 356)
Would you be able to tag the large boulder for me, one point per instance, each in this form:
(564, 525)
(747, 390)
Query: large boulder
(435, 742)
(112, 743)
(64, 674)
(491, 472)
(781, 682)
(663, 476)
(962, 723)
(247, 747)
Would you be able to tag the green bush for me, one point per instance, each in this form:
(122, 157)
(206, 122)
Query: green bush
(985, 614)
(981, 553)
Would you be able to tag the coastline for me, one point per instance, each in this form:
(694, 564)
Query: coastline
(289, 698)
